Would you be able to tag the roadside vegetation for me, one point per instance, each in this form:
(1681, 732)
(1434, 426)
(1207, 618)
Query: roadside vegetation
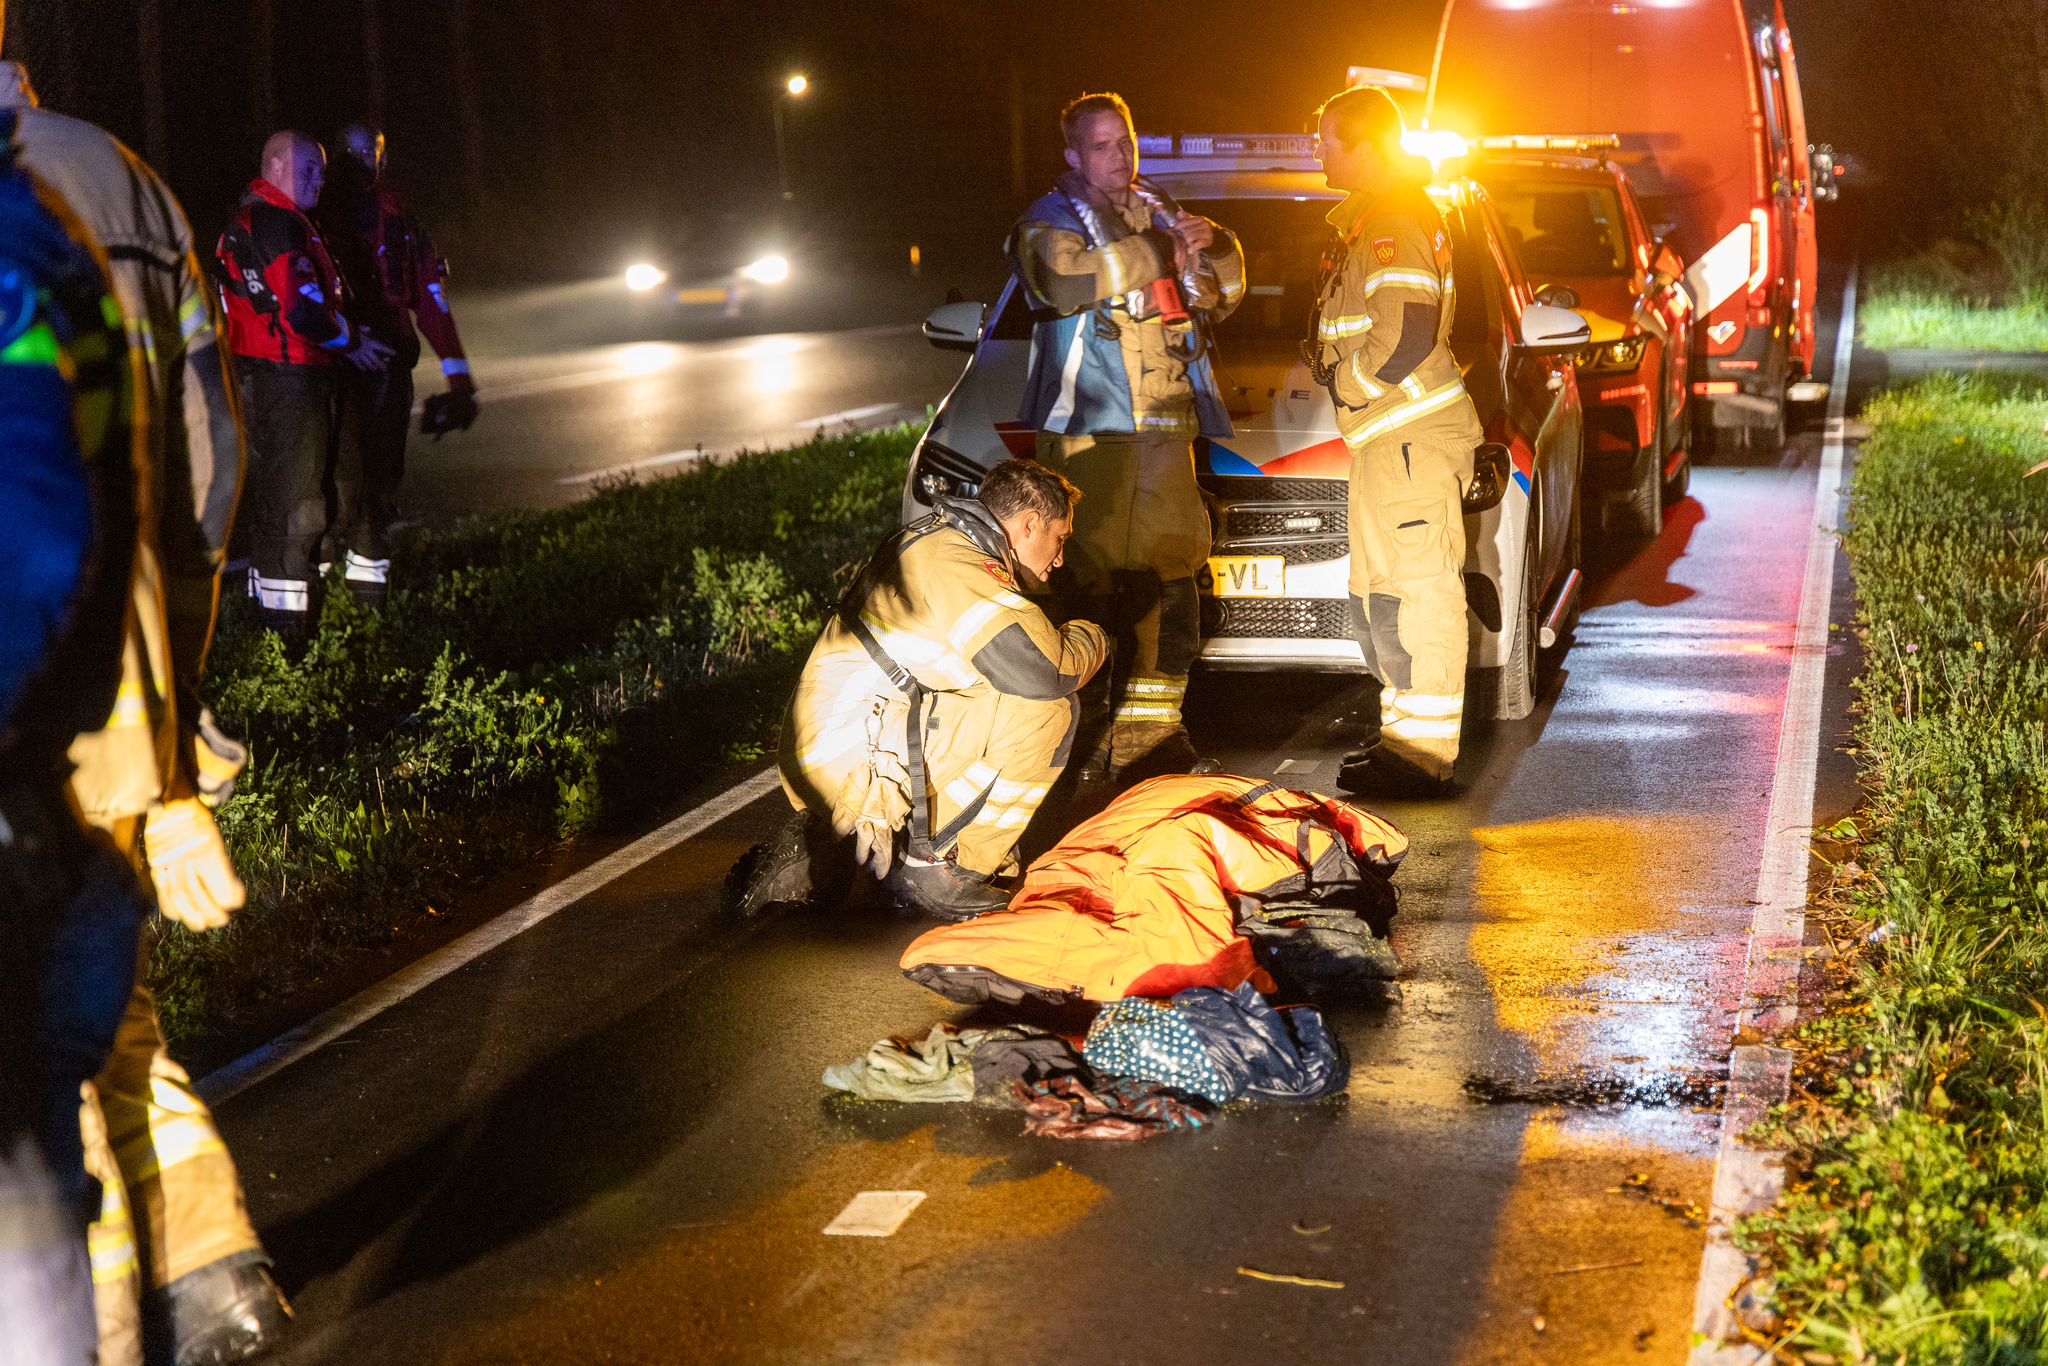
(539, 675)
(1986, 293)
(1915, 1225)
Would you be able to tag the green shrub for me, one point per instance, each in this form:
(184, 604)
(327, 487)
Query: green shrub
(531, 676)
(1915, 1227)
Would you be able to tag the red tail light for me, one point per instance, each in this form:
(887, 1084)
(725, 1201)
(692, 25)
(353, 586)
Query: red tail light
(1759, 249)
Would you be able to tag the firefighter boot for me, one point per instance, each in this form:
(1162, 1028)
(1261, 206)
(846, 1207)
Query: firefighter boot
(944, 889)
(228, 1312)
(778, 871)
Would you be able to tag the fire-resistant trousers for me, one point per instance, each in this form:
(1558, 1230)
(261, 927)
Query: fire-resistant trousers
(1408, 580)
(1141, 535)
(171, 1200)
(288, 411)
(368, 465)
(989, 760)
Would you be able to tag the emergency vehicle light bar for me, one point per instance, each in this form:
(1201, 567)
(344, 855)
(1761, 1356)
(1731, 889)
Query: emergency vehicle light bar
(1524, 142)
(1290, 145)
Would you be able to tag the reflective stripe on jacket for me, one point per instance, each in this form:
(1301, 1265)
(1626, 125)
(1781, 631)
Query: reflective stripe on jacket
(1384, 324)
(283, 294)
(394, 274)
(1102, 360)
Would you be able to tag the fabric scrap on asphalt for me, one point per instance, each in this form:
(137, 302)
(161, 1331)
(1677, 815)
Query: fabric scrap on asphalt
(1000, 1060)
(1120, 1109)
(937, 1068)
(1220, 1045)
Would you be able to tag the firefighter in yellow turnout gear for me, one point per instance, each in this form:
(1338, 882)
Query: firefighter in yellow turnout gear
(938, 708)
(1381, 345)
(1125, 285)
(179, 1273)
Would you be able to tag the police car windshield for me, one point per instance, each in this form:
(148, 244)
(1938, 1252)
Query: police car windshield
(1283, 243)
(1561, 229)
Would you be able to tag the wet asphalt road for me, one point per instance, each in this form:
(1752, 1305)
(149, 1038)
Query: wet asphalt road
(552, 422)
(606, 1140)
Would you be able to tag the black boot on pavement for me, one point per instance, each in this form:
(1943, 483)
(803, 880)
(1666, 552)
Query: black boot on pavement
(231, 1311)
(1153, 750)
(780, 870)
(945, 890)
(1379, 772)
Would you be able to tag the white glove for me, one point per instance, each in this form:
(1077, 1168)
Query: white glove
(196, 885)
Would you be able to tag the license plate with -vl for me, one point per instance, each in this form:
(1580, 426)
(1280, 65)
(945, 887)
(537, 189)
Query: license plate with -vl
(1248, 576)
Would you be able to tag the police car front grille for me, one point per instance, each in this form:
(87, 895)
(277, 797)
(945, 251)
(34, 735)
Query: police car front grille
(1232, 488)
(1277, 618)
(1253, 519)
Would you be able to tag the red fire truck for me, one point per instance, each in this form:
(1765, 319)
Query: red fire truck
(1703, 96)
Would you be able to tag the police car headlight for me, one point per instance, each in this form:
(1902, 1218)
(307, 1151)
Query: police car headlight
(769, 270)
(641, 277)
(1623, 354)
(942, 472)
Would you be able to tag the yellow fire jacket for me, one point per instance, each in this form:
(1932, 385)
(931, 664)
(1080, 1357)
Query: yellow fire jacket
(1383, 323)
(947, 610)
(193, 445)
(1068, 274)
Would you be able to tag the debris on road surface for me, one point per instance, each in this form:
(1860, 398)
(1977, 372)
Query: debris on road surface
(1307, 1230)
(1221, 1045)
(1671, 1202)
(1282, 1278)
(874, 1214)
(1594, 1266)
(1119, 1109)
(951, 1064)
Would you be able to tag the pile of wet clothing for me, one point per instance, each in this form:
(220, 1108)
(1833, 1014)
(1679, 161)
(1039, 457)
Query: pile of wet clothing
(1180, 910)
(1146, 1067)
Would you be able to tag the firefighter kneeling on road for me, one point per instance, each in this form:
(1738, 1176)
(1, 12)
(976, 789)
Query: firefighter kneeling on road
(1124, 285)
(938, 707)
(1380, 342)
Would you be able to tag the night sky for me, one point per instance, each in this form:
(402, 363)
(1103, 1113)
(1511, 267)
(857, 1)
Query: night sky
(594, 131)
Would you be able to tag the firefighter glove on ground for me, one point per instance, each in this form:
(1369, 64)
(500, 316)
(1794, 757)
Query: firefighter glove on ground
(196, 885)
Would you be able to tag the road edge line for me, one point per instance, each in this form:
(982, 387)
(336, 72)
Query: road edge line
(231, 1079)
(1747, 1179)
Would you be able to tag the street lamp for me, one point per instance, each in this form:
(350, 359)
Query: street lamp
(792, 89)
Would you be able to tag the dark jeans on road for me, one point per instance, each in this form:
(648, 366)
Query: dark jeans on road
(288, 411)
(368, 463)
(70, 910)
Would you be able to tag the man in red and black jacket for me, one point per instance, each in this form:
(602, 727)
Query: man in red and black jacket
(287, 331)
(393, 276)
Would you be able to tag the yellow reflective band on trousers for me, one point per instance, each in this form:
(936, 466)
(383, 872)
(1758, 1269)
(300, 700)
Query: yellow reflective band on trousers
(184, 1197)
(1152, 697)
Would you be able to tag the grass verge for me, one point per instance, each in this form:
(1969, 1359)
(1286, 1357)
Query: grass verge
(1914, 1227)
(1989, 293)
(541, 673)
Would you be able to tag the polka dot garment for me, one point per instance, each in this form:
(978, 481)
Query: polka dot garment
(1152, 1040)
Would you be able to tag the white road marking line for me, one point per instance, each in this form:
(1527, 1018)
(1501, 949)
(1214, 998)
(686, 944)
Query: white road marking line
(851, 416)
(238, 1076)
(1748, 1179)
(635, 466)
(874, 1214)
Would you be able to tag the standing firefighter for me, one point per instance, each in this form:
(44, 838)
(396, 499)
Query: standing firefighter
(69, 906)
(1125, 285)
(394, 278)
(1380, 344)
(938, 706)
(287, 330)
(176, 1249)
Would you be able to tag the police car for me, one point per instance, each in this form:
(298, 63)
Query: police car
(1276, 594)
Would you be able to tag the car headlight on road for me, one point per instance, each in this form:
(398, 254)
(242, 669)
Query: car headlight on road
(769, 270)
(641, 277)
(1626, 353)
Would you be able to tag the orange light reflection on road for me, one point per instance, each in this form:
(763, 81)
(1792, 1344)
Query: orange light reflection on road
(1585, 939)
